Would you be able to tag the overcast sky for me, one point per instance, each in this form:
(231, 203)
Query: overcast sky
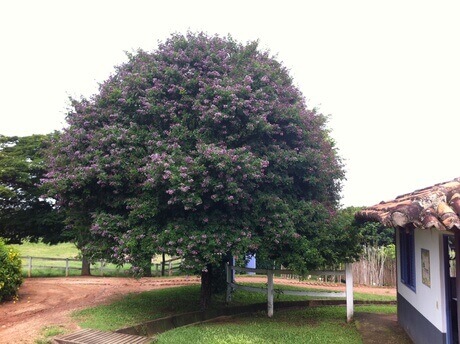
(387, 72)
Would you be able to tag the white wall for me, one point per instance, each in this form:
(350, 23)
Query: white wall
(430, 301)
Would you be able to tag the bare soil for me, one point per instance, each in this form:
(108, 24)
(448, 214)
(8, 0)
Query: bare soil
(50, 301)
(380, 329)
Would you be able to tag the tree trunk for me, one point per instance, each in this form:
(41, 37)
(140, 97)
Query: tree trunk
(85, 266)
(206, 288)
(148, 269)
(163, 264)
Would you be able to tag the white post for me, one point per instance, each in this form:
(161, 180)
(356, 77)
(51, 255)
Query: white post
(29, 271)
(228, 271)
(270, 293)
(349, 290)
(67, 267)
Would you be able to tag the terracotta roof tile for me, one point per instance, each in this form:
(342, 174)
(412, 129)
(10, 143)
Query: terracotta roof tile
(437, 206)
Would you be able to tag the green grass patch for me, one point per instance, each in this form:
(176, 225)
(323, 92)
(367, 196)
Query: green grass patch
(54, 268)
(380, 309)
(63, 250)
(110, 270)
(138, 308)
(42, 267)
(311, 325)
(281, 297)
(241, 297)
(48, 332)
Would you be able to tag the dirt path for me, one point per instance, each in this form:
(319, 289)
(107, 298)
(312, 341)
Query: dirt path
(380, 329)
(50, 301)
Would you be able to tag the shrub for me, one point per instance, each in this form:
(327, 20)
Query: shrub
(10, 272)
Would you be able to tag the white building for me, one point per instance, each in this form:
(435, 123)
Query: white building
(427, 227)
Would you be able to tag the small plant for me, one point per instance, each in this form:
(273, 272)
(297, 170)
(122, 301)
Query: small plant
(48, 332)
(10, 272)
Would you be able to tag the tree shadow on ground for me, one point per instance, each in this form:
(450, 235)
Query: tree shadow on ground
(380, 329)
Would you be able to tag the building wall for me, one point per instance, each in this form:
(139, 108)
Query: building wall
(428, 301)
(419, 329)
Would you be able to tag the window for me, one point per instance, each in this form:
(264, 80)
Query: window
(407, 256)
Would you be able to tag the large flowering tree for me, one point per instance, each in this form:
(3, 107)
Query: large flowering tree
(201, 148)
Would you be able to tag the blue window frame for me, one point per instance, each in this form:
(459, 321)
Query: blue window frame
(407, 256)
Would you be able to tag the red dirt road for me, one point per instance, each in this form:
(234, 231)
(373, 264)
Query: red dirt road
(50, 301)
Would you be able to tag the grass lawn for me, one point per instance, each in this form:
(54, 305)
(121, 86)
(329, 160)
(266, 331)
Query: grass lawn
(137, 308)
(310, 325)
(64, 250)
(69, 250)
(280, 287)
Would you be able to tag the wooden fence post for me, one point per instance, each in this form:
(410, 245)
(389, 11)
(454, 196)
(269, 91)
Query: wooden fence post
(349, 290)
(270, 292)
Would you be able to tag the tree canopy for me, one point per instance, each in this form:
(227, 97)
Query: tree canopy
(23, 213)
(372, 233)
(200, 148)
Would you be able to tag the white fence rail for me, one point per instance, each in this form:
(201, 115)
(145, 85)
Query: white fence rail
(39, 263)
(270, 290)
(65, 265)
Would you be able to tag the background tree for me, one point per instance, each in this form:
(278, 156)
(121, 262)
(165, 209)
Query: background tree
(24, 214)
(377, 263)
(375, 234)
(202, 149)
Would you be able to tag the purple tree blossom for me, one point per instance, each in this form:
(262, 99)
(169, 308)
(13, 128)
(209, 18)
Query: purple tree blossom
(198, 141)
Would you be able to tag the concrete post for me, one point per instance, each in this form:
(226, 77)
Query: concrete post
(270, 293)
(29, 270)
(67, 267)
(349, 290)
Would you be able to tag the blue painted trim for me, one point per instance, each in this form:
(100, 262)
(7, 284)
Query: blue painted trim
(407, 257)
